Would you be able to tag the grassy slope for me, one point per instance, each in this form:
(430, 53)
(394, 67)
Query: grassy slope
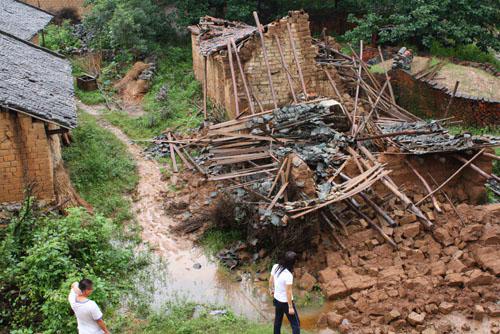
(101, 169)
(179, 110)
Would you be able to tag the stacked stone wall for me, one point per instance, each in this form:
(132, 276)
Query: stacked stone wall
(25, 158)
(219, 82)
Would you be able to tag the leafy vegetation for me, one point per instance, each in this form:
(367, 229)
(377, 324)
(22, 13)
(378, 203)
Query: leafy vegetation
(452, 23)
(132, 25)
(214, 239)
(40, 256)
(179, 110)
(179, 319)
(60, 38)
(468, 52)
(100, 168)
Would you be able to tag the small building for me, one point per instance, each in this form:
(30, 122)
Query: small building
(22, 20)
(210, 57)
(37, 105)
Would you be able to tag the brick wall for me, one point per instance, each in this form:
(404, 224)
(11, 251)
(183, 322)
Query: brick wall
(25, 158)
(219, 75)
(53, 6)
(427, 101)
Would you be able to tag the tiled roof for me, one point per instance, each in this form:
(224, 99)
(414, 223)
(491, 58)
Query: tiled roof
(36, 81)
(22, 20)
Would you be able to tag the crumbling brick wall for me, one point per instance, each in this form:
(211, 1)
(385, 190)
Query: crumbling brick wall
(429, 101)
(25, 158)
(219, 83)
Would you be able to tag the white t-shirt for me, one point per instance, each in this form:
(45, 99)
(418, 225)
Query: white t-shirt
(281, 280)
(87, 313)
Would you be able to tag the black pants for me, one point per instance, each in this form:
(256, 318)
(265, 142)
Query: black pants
(282, 309)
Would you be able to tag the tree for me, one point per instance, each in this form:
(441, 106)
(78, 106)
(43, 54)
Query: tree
(421, 22)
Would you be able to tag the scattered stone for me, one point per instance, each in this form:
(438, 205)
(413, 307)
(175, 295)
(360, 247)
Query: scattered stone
(479, 312)
(327, 275)
(488, 258)
(472, 232)
(415, 318)
(455, 279)
(307, 282)
(429, 330)
(411, 230)
(408, 219)
(466, 327)
(493, 310)
(446, 307)
(393, 315)
(431, 308)
(438, 268)
(478, 277)
(443, 236)
(322, 321)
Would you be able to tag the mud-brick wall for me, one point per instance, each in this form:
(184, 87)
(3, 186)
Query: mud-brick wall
(429, 100)
(219, 82)
(25, 158)
(54, 6)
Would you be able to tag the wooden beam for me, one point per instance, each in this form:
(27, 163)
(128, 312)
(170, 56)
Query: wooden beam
(266, 60)
(296, 58)
(285, 67)
(243, 77)
(233, 78)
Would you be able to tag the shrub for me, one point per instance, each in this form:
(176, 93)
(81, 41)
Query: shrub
(60, 38)
(41, 255)
(468, 52)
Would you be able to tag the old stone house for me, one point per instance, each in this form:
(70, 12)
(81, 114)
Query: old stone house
(23, 20)
(210, 57)
(36, 105)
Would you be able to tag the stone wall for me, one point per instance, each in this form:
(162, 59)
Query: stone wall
(25, 158)
(219, 81)
(429, 100)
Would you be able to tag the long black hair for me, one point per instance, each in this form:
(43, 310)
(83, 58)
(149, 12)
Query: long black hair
(287, 261)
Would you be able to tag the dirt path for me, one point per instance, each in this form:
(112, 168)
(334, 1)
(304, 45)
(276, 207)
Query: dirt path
(179, 279)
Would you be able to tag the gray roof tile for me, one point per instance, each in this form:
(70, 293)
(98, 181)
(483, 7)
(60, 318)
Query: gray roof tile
(22, 20)
(36, 81)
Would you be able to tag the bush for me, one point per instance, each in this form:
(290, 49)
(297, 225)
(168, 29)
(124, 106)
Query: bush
(468, 52)
(41, 255)
(60, 38)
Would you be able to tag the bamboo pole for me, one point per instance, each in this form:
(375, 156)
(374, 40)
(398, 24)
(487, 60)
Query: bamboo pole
(374, 107)
(426, 185)
(452, 176)
(287, 72)
(353, 128)
(172, 154)
(233, 78)
(451, 99)
(296, 58)
(205, 115)
(387, 76)
(243, 77)
(266, 60)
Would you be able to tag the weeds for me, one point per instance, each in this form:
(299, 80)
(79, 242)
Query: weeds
(101, 168)
(465, 52)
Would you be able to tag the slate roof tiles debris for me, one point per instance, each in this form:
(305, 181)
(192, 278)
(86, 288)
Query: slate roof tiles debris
(213, 33)
(36, 81)
(22, 20)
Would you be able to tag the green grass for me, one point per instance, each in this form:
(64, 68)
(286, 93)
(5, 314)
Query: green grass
(100, 168)
(465, 52)
(89, 98)
(179, 111)
(214, 240)
(377, 68)
(178, 319)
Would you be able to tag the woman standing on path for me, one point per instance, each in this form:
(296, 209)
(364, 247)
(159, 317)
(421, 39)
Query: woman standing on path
(280, 287)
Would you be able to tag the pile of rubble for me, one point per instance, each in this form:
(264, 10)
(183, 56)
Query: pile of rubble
(336, 166)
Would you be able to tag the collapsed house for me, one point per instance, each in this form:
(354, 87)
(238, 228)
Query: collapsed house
(23, 20)
(37, 106)
(365, 190)
(283, 52)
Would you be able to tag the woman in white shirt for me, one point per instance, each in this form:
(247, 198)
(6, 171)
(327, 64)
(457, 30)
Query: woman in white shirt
(280, 287)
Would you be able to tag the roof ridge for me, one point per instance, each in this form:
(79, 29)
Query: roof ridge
(35, 7)
(53, 53)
